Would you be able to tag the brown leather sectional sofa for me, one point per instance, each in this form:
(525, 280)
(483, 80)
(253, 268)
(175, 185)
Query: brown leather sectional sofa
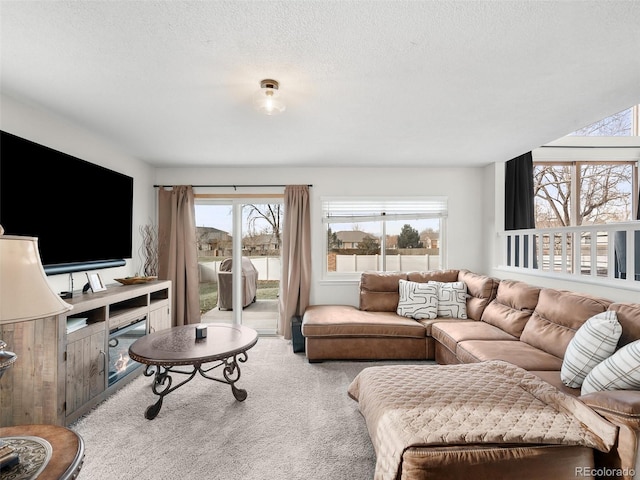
(525, 325)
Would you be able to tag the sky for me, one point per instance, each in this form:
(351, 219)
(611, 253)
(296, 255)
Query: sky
(218, 216)
(221, 217)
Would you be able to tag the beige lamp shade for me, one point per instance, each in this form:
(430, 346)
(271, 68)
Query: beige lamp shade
(25, 293)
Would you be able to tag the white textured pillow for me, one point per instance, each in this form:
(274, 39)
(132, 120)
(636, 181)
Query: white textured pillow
(621, 371)
(417, 300)
(594, 341)
(452, 299)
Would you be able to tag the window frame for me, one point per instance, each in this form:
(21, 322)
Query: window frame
(440, 214)
(634, 129)
(576, 174)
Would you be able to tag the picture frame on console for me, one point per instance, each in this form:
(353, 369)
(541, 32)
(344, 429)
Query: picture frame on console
(95, 282)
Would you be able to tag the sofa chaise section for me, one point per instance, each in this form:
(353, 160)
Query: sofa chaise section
(374, 331)
(339, 332)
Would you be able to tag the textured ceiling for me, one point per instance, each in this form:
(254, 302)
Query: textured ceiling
(366, 83)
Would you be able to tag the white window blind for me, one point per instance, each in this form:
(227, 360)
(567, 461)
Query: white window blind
(350, 210)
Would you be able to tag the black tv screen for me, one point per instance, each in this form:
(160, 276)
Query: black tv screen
(81, 212)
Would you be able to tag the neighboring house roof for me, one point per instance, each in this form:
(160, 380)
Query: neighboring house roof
(206, 234)
(431, 235)
(352, 236)
(263, 239)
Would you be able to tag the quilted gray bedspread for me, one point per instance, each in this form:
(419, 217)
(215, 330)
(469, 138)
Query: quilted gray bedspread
(491, 402)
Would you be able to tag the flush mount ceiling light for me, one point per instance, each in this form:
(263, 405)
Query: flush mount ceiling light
(268, 99)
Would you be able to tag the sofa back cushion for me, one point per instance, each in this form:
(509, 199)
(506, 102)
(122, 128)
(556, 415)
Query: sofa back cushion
(629, 317)
(481, 291)
(433, 276)
(513, 306)
(379, 291)
(557, 317)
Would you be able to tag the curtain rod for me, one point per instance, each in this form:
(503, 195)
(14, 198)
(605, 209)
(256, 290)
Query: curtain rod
(589, 146)
(228, 186)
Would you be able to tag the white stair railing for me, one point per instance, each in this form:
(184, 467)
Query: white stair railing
(603, 254)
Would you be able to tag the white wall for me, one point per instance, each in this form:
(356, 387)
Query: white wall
(463, 187)
(53, 131)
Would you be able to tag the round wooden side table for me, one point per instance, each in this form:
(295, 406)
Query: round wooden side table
(66, 456)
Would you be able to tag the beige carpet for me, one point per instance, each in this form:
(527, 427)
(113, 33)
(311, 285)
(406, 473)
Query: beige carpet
(296, 423)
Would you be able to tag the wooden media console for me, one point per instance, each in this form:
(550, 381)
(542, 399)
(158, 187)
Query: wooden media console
(63, 366)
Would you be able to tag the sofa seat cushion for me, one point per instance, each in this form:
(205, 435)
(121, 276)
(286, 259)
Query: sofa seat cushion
(348, 321)
(557, 317)
(517, 353)
(449, 334)
(428, 323)
(553, 377)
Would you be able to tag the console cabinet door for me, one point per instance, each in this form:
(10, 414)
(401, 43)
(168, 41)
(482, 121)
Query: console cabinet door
(86, 365)
(159, 319)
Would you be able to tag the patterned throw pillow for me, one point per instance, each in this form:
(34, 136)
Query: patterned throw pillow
(452, 299)
(594, 341)
(417, 300)
(621, 371)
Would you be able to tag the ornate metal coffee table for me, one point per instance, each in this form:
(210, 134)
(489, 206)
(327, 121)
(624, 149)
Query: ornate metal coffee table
(225, 345)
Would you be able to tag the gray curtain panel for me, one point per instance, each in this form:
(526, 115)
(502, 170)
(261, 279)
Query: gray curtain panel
(177, 251)
(295, 283)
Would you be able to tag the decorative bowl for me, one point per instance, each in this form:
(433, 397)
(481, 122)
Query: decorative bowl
(134, 280)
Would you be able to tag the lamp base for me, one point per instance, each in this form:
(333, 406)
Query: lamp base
(7, 359)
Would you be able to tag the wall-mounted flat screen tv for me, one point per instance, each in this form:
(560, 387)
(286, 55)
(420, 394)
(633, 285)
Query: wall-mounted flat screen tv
(81, 212)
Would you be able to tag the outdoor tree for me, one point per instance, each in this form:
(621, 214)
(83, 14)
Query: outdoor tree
(271, 213)
(369, 246)
(604, 193)
(618, 124)
(332, 240)
(409, 237)
(392, 241)
(202, 238)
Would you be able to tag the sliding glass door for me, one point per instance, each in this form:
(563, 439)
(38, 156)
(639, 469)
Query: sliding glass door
(240, 234)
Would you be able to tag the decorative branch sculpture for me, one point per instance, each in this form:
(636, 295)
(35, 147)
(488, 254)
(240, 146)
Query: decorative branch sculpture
(149, 250)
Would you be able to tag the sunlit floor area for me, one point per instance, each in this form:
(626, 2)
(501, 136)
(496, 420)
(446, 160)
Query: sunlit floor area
(262, 315)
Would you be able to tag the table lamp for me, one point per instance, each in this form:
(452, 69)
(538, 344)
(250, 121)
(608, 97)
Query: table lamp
(25, 293)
